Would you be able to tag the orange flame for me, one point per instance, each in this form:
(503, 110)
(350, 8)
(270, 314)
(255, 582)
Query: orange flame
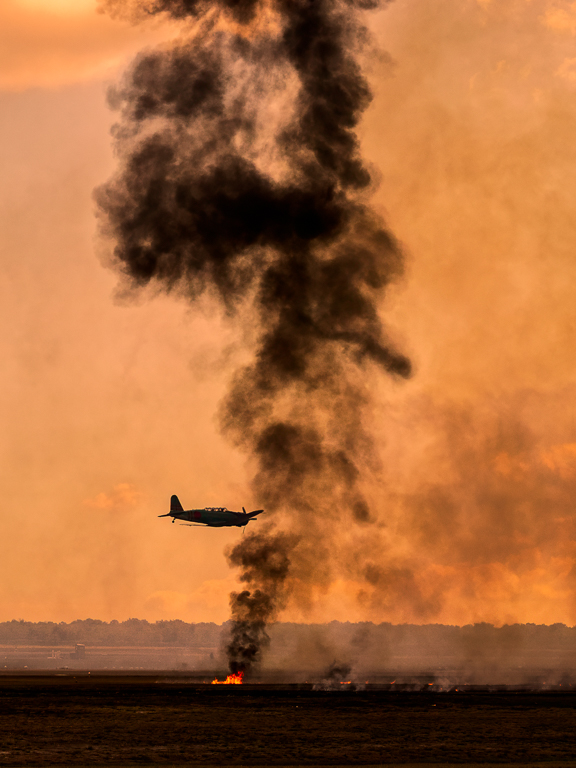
(230, 680)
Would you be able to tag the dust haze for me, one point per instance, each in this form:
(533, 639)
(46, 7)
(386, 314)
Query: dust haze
(469, 468)
(326, 656)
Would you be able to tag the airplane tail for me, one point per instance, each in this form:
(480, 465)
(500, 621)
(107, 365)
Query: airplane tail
(175, 506)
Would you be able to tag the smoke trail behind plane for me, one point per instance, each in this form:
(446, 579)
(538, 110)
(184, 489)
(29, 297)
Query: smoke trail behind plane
(240, 176)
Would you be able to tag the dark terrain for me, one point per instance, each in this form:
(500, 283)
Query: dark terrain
(129, 719)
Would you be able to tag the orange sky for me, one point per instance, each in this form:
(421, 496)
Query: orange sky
(108, 405)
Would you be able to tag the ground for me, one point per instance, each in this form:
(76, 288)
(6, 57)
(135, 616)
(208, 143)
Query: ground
(125, 720)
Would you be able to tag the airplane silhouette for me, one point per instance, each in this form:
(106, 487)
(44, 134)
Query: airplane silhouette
(213, 517)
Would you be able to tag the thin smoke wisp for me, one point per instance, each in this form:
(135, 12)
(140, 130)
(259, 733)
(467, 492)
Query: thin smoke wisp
(240, 174)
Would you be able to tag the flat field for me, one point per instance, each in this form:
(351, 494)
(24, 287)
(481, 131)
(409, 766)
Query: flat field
(134, 720)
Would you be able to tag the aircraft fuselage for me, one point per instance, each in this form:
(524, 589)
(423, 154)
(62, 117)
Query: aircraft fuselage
(217, 517)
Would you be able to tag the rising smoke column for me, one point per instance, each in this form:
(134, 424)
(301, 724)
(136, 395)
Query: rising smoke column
(240, 174)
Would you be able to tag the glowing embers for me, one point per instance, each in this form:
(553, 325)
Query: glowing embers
(230, 680)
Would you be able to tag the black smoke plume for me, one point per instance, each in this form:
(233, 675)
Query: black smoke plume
(240, 175)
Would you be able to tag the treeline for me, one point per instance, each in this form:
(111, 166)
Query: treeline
(133, 632)
(474, 640)
(411, 640)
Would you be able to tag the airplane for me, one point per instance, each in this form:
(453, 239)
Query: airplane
(213, 517)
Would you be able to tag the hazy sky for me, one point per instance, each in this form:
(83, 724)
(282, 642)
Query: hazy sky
(108, 402)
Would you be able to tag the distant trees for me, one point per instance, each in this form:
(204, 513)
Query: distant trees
(360, 640)
(137, 632)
